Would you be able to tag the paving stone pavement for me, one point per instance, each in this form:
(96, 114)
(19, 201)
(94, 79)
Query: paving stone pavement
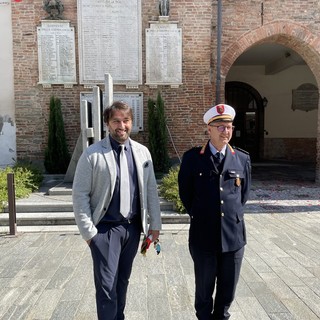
(46, 271)
(48, 275)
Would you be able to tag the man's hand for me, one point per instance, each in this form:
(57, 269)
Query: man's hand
(155, 234)
(153, 237)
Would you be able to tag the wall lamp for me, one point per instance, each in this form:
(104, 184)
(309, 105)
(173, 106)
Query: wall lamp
(264, 102)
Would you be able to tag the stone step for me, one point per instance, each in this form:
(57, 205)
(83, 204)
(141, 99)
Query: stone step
(62, 204)
(59, 198)
(53, 206)
(61, 188)
(67, 218)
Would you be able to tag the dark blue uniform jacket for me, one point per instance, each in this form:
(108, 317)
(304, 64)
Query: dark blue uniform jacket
(215, 201)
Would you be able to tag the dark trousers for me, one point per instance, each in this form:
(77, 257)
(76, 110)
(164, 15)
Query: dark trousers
(113, 250)
(220, 270)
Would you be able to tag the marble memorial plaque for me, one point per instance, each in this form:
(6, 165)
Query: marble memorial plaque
(134, 99)
(163, 54)
(56, 53)
(110, 41)
(305, 97)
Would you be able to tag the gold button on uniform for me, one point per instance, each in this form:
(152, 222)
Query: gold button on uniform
(222, 214)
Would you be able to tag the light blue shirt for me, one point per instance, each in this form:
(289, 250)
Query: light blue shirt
(214, 150)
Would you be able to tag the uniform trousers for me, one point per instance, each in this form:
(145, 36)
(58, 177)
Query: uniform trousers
(113, 250)
(218, 271)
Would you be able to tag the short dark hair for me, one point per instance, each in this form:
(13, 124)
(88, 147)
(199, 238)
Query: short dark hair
(116, 105)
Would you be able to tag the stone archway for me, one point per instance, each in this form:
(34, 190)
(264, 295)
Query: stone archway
(292, 35)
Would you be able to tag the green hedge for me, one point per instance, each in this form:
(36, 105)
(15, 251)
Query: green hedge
(27, 179)
(57, 156)
(169, 188)
(157, 135)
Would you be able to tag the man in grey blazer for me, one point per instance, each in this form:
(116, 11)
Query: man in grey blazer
(113, 237)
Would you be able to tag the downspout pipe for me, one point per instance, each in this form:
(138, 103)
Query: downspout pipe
(219, 33)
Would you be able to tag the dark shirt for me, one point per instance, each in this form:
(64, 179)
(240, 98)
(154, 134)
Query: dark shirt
(113, 212)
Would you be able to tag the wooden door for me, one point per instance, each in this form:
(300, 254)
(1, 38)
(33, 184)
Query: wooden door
(249, 120)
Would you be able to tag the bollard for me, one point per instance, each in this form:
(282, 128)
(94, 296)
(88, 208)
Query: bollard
(12, 204)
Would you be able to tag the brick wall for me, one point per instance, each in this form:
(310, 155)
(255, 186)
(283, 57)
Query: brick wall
(184, 106)
(294, 23)
(295, 149)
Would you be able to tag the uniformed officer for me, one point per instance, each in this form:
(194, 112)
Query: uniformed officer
(214, 185)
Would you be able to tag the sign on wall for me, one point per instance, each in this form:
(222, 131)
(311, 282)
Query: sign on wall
(305, 97)
(163, 54)
(56, 53)
(110, 41)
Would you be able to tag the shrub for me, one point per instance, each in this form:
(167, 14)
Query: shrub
(169, 188)
(27, 179)
(57, 156)
(158, 138)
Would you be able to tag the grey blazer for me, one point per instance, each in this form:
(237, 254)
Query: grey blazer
(94, 183)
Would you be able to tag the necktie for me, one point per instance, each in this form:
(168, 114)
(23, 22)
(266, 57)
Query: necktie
(218, 157)
(124, 184)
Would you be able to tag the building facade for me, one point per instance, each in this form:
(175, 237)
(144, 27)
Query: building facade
(262, 57)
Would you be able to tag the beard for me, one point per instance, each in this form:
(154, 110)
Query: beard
(120, 135)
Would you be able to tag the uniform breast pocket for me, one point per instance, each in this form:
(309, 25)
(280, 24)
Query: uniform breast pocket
(235, 178)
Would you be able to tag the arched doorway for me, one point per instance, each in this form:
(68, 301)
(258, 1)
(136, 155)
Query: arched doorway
(249, 121)
(292, 35)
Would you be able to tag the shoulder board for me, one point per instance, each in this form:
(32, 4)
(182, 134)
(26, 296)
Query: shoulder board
(231, 149)
(203, 148)
(241, 150)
